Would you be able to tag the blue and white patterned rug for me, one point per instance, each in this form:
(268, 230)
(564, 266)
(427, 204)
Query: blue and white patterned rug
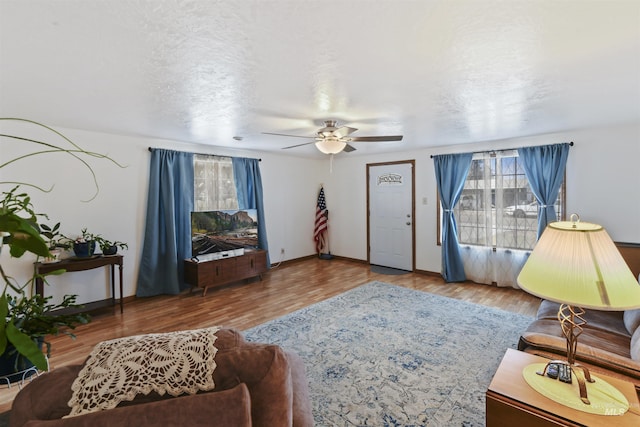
(384, 355)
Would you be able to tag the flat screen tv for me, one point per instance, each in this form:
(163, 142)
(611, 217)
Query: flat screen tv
(225, 230)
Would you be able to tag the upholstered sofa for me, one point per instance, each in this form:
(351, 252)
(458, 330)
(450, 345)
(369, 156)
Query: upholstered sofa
(255, 384)
(609, 343)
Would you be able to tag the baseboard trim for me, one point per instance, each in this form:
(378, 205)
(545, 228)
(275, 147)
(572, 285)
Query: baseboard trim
(354, 260)
(128, 299)
(292, 261)
(428, 273)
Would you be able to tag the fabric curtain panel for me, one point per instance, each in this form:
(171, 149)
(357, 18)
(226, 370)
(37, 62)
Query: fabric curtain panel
(167, 237)
(451, 172)
(499, 266)
(246, 173)
(493, 258)
(544, 166)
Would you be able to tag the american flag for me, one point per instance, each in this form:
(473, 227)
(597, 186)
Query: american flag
(322, 224)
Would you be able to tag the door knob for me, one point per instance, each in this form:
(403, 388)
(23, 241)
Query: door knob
(408, 222)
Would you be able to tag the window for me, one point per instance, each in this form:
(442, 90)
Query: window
(497, 207)
(214, 185)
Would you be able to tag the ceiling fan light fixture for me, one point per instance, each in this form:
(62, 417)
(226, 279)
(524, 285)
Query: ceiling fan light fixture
(330, 146)
(332, 139)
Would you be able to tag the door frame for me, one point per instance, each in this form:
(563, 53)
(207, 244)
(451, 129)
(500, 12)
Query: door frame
(413, 208)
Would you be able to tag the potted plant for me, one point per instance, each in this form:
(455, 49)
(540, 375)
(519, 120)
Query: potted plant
(109, 247)
(25, 318)
(36, 318)
(85, 244)
(56, 241)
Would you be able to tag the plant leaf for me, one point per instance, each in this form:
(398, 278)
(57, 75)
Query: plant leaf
(24, 237)
(4, 310)
(26, 346)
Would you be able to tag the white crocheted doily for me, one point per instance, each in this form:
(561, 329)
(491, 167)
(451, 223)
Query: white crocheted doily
(118, 370)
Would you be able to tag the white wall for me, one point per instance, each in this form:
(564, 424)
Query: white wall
(602, 187)
(347, 198)
(118, 211)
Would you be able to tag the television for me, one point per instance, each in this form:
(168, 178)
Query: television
(223, 231)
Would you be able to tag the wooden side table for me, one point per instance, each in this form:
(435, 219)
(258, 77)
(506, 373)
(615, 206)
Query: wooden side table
(510, 401)
(81, 264)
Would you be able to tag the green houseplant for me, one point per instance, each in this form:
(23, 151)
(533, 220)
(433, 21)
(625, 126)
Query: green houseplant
(56, 241)
(85, 244)
(110, 247)
(27, 318)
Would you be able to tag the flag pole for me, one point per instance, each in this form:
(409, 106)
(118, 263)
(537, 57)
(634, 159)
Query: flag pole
(326, 251)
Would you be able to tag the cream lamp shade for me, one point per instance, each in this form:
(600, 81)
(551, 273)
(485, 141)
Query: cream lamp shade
(576, 263)
(330, 145)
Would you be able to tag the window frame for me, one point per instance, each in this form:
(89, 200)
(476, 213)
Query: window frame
(562, 217)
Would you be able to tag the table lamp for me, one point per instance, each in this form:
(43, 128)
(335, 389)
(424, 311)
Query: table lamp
(577, 265)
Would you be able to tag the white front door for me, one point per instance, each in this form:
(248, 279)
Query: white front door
(391, 208)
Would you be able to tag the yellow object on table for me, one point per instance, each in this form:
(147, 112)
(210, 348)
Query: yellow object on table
(605, 399)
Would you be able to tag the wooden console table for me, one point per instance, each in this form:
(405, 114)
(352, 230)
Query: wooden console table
(81, 264)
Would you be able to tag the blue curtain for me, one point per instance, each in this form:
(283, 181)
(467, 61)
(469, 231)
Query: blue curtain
(246, 173)
(451, 173)
(544, 167)
(167, 236)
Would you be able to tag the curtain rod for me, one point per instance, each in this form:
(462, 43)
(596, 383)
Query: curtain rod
(502, 149)
(200, 154)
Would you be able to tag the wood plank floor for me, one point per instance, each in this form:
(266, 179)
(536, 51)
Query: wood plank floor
(283, 289)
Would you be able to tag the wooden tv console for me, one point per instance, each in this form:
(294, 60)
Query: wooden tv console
(218, 272)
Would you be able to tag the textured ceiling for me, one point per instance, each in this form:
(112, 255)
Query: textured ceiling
(438, 72)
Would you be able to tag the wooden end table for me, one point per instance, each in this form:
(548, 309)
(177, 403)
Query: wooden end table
(510, 401)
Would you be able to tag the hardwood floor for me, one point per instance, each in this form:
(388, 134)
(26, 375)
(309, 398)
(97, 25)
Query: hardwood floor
(283, 289)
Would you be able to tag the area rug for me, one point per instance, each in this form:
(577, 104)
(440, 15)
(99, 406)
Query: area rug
(384, 355)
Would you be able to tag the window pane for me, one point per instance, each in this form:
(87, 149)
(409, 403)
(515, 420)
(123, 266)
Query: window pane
(497, 207)
(214, 185)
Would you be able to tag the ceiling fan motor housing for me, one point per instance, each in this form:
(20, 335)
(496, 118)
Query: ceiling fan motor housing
(328, 129)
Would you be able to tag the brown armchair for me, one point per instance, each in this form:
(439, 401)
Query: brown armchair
(256, 384)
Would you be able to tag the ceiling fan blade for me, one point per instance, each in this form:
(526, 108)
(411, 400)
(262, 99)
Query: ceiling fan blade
(343, 131)
(376, 138)
(348, 148)
(292, 136)
(298, 145)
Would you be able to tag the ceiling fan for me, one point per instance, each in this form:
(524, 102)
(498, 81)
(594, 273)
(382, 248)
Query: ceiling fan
(332, 139)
